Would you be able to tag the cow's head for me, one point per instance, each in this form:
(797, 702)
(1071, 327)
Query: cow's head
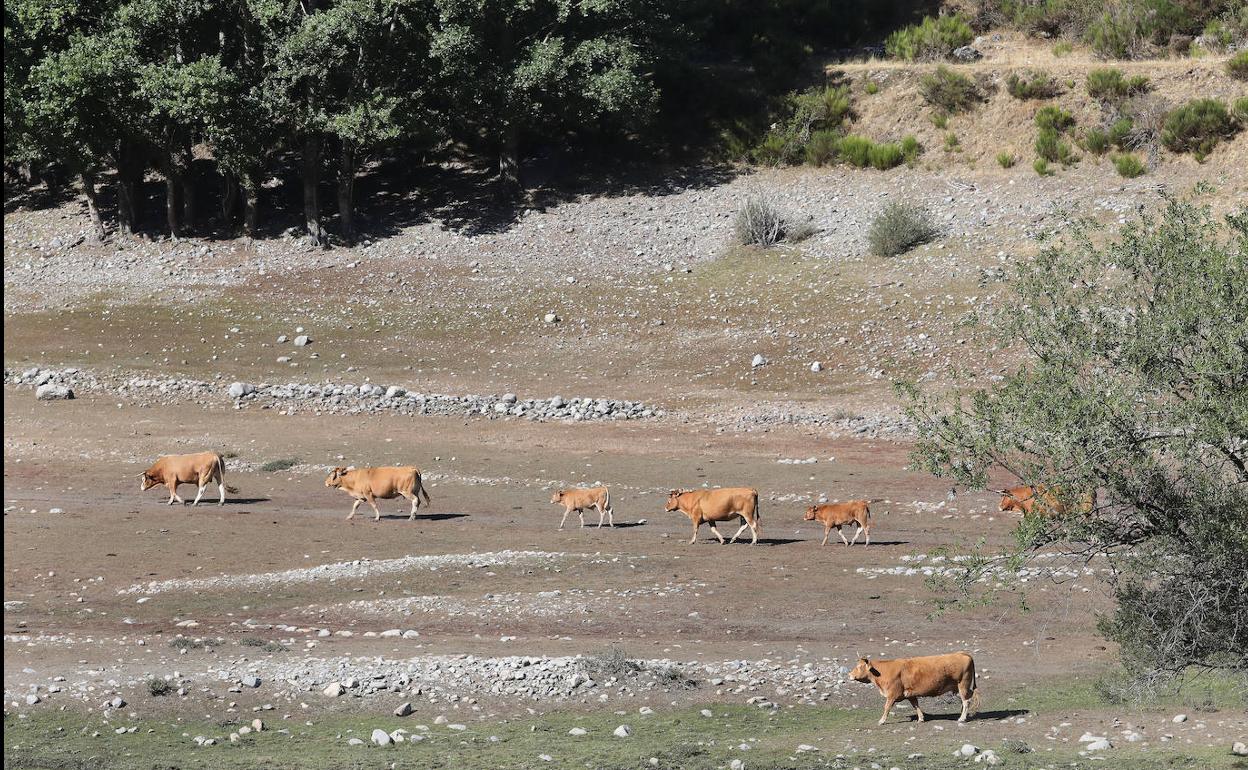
(863, 671)
(810, 513)
(557, 497)
(1010, 501)
(673, 500)
(147, 481)
(335, 477)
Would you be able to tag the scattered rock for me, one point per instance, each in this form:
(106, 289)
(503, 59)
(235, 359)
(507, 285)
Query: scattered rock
(381, 737)
(623, 731)
(403, 710)
(53, 392)
(333, 690)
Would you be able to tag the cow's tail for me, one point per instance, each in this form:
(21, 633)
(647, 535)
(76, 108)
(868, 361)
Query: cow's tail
(221, 476)
(606, 499)
(975, 697)
(758, 517)
(420, 490)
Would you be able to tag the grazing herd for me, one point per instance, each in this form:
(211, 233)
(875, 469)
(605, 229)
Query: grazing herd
(904, 678)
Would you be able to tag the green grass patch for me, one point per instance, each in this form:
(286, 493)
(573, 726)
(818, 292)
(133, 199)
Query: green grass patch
(284, 464)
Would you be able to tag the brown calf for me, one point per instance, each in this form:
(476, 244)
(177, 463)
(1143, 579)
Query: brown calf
(925, 677)
(199, 469)
(385, 483)
(714, 505)
(581, 498)
(1041, 500)
(841, 514)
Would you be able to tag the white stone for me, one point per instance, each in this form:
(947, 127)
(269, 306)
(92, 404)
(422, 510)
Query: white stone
(758, 360)
(577, 731)
(623, 731)
(1179, 718)
(53, 392)
(1100, 745)
(333, 690)
(816, 366)
(381, 737)
(302, 341)
(968, 750)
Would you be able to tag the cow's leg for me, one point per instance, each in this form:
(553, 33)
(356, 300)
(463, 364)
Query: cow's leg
(715, 531)
(376, 510)
(414, 500)
(610, 516)
(354, 508)
(173, 494)
(857, 532)
(827, 531)
(694, 539)
(744, 525)
(562, 521)
(841, 532)
(915, 702)
(889, 700)
(601, 514)
(199, 493)
(966, 707)
(965, 693)
(580, 514)
(221, 491)
(867, 530)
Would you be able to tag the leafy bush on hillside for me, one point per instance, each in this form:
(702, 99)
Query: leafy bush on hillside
(801, 116)
(1237, 66)
(930, 40)
(885, 156)
(1197, 127)
(900, 227)
(1006, 159)
(759, 223)
(949, 91)
(1054, 117)
(1240, 110)
(1108, 84)
(1096, 141)
(1129, 28)
(1051, 146)
(1035, 85)
(1042, 167)
(1128, 166)
(821, 149)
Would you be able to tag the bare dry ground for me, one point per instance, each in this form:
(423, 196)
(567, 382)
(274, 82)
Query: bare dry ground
(501, 632)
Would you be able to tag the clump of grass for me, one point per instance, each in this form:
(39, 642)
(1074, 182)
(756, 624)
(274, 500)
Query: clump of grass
(673, 677)
(159, 687)
(1015, 746)
(1240, 109)
(1006, 159)
(1120, 132)
(1197, 127)
(949, 91)
(1041, 167)
(1054, 117)
(1035, 85)
(802, 116)
(1096, 141)
(612, 664)
(1050, 145)
(251, 641)
(1064, 48)
(952, 144)
(1128, 166)
(274, 647)
(855, 150)
(821, 149)
(940, 120)
(930, 40)
(187, 643)
(285, 464)
(759, 223)
(900, 227)
(1108, 84)
(1237, 65)
(872, 87)
(910, 148)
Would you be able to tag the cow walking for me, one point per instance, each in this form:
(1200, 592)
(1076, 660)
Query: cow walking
(581, 498)
(199, 469)
(842, 514)
(714, 505)
(923, 677)
(387, 483)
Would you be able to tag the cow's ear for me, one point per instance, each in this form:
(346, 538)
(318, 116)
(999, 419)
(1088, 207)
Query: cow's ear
(874, 671)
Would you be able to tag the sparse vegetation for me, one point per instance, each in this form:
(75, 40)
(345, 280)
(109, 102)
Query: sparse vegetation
(612, 664)
(911, 149)
(1063, 48)
(284, 464)
(1051, 145)
(187, 643)
(872, 87)
(158, 687)
(1237, 65)
(1128, 165)
(673, 677)
(1197, 127)
(900, 227)
(949, 92)
(930, 40)
(803, 116)
(856, 150)
(885, 156)
(1006, 159)
(1054, 117)
(952, 144)
(1034, 85)
(1240, 110)
(1096, 141)
(940, 120)
(1108, 84)
(1041, 167)
(759, 223)
(821, 149)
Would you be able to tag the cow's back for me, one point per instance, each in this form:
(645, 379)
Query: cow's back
(729, 500)
(935, 674)
(585, 497)
(387, 481)
(185, 467)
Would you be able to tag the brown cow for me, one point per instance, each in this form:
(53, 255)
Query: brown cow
(1041, 500)
(199, 469)
(925, 677)
(581, 498)
(840, 514)
(714, 505)
(386, 483)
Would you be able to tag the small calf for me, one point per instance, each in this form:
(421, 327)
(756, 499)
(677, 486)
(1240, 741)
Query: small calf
(580, 498)
(840, 514)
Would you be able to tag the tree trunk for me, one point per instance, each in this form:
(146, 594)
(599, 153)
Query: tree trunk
(346, 191)
(188, 193)
(509, 159)
(129, 173)
(251, 204)
(171, 202)
(229, 198)
(93, 206)
(311, 179)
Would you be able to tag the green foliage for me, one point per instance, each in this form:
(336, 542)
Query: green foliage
(1041, 167)
(1054, 118)
(1128, 166)
(284, 464)
(1096, 141)
(856, 150)
(1035, 85)
(951, 142)
(1006, 159)
(158, 687)
(872, 87)
(885, 156)
(1051, 147)
(1135, 387)
(940, 120)
(1131, 28)
(821, 149)
(1197, 127)
(910, 148)
(802, 115)
(930, 40)
(949, 91)
(1237, 65)
(899, 227)
(1108, 84)
(1064, 48)
(1240, 110)
(1120, 132)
